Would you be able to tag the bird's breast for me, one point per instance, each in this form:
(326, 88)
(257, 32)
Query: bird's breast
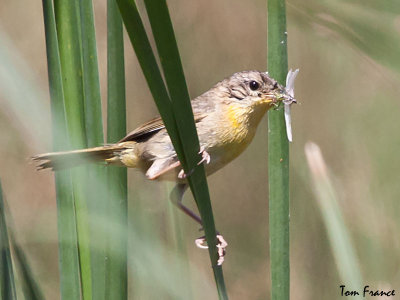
(230, 134)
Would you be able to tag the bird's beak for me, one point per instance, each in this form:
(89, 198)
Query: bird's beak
(284, 96)
(269, 97)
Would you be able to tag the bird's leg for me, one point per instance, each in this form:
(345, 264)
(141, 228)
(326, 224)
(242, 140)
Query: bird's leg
(205, 157)
(176, 198)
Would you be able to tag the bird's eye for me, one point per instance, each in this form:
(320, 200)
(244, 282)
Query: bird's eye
(254, 85)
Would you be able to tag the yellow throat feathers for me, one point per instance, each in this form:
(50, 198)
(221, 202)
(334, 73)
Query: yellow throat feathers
(243, 120)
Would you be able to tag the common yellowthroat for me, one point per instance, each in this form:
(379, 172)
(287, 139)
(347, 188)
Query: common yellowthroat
(226, 119)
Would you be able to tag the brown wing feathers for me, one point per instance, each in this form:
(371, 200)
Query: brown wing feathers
(145, 131)
(150, 128)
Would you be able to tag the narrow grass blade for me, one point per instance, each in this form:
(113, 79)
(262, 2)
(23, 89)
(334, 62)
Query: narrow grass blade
(169, 56)
(31, 288)
(66, 222)
(115, 74)
(91, 84)
(26, 278)
(96, 199)
(116, 280)
(146, 58)
(70, 43)
(140, 42)
(339, 237)
(278, 157)
(7, 279)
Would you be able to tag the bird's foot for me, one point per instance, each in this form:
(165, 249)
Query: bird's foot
(221, 245)
(205, 157)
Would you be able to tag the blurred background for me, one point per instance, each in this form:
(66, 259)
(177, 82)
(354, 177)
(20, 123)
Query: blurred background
(348, 87)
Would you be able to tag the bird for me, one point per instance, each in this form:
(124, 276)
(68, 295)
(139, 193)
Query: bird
(226, 118)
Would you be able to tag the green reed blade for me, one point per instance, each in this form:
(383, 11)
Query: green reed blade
(66, 222)
(70, 47)
(96, 199)
(116, 280)
(170, 60)
(7, 277)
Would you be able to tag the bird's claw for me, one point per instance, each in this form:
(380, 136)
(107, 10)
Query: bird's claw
(182, 174)
(221, 245)
(205, 157)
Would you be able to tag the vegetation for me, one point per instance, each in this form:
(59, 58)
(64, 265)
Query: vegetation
(343, 221)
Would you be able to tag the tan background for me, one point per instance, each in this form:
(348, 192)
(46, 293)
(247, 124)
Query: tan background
(348, 90)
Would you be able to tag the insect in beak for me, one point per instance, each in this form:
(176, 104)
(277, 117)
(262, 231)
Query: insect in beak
(291, 76)
(286, 96)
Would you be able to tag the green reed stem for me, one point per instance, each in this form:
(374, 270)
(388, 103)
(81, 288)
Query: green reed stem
(141, 44)
(26, 278)
(170, 60)
(96, 174)
(66, 222)
(7, 277)
(70, 47)
(116, 280)
(278, 157)
(176, 114)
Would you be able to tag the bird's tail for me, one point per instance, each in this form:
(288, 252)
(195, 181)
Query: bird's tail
(110, 154)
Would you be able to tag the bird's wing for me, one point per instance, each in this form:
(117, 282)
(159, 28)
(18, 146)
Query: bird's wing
(144, 131)
(150, 128)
